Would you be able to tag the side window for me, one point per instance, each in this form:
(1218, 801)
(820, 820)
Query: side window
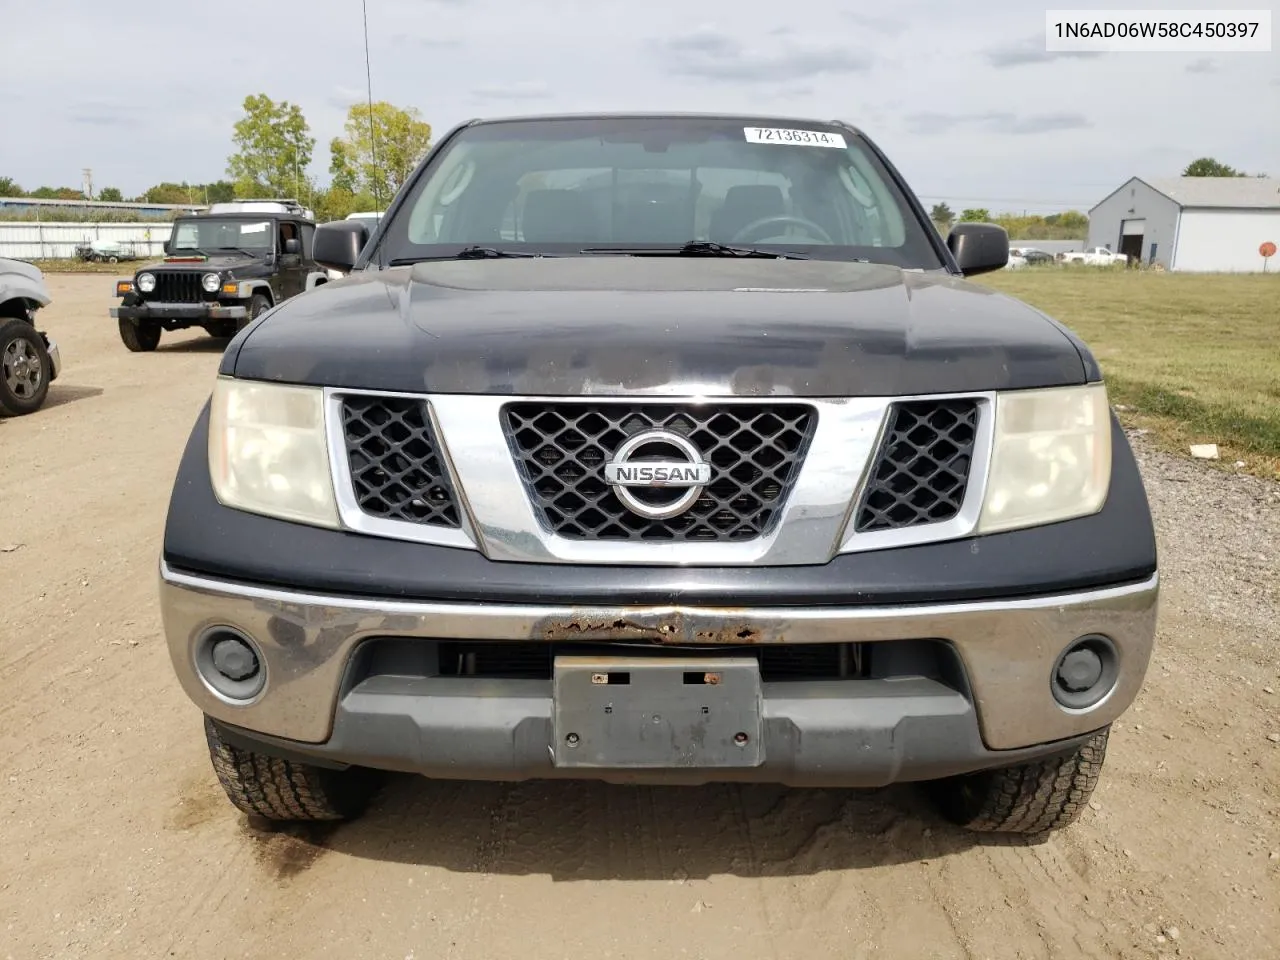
(308, 236)
(288, 231)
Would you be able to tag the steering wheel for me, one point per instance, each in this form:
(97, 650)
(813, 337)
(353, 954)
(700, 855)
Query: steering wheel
(748, 233)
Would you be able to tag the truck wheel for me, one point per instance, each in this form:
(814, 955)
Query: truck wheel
(140, 337)
(257, 305)
(1030, 798)
(277, 789)
(24, 369)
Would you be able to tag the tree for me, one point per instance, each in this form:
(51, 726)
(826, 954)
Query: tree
(1073, 220)
(381, 163)
(341, 166)
(942, 215)
(56, 193)
(9, 188)
(274, 146)
(1209, 167)
(111, 195)
(336, 202)
(976, 215)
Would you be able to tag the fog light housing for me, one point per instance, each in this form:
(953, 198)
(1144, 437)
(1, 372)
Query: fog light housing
(1085, 672)
(230, 664)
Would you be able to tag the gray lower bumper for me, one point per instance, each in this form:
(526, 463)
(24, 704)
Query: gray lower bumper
(820, 734)
(180, 311)
(1007, 650)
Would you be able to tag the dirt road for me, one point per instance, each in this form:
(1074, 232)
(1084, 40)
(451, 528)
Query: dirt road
(115, 840)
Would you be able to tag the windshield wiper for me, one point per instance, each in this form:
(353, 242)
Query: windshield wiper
(699, 248)
(469, 253)
(247, 253)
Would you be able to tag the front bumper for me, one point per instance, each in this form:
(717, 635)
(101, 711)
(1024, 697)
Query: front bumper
(853, 732)
(55, 359)
(211, 310)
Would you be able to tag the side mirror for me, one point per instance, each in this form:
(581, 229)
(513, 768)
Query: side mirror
(293, 246)
(337, 245)
(978, 247)
(167, 247)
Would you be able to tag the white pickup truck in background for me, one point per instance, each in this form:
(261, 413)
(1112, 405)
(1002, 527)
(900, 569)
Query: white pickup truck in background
(1094, 257)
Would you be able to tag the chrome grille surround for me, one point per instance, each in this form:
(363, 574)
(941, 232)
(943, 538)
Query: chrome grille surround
(814, 522)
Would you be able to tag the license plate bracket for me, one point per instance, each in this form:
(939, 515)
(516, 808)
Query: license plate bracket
(657, 712)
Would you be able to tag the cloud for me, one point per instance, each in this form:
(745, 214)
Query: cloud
(100, 113)
(342, 98)
(997, 122)
(708, 54)
(890, 26)
(1031, 50)
(103, 120)
(520, 90)
(426, 43)
(1203, 65)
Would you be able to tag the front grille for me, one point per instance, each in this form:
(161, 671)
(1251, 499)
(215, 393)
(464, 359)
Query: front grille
(396, 468)
(921, 470)
(755, 452)
(177, 286)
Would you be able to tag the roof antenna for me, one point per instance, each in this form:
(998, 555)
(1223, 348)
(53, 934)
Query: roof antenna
(368, 74)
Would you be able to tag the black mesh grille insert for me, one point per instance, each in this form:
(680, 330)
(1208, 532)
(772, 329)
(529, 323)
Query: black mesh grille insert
(755, 452)
(396, 471)
(780, 662)
(922, 468)
(177, 286)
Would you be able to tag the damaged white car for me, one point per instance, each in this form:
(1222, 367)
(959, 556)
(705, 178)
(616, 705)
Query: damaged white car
(29, 360)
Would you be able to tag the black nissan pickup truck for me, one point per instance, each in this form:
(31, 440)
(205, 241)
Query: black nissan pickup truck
(659, 449)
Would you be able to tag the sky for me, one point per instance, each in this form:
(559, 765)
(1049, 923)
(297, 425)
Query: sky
(961, 96)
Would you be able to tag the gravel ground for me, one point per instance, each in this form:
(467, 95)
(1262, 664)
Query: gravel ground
(1219, 535)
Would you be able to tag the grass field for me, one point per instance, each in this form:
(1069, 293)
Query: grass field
(1195, 359)
(123, 268)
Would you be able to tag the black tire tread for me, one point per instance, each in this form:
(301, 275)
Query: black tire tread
(258, 305)
(16, 407)
(279, 789)
(1029, 798)
(138, 339)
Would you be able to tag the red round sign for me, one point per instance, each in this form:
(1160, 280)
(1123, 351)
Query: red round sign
(1268, 249)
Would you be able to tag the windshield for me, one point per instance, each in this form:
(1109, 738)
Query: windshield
(570, 186)
(209, 234)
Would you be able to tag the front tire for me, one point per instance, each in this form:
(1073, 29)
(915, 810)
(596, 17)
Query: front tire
(286, 790)
(257, 306)
(140, 337)
(24, 369)
(1029, 798)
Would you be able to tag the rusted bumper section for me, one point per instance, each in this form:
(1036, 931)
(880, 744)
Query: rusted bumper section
(1007, 650)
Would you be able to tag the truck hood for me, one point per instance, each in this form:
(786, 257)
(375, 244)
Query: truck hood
(222, 264)
(577, 326)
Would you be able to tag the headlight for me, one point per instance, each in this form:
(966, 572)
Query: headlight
(146, 282)
(211, 282)
(1050, 457)
(267, 451)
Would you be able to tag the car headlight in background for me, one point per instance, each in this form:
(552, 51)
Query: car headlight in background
(211, 282)
(268, 451)
(146, 282)
(1050, 457)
